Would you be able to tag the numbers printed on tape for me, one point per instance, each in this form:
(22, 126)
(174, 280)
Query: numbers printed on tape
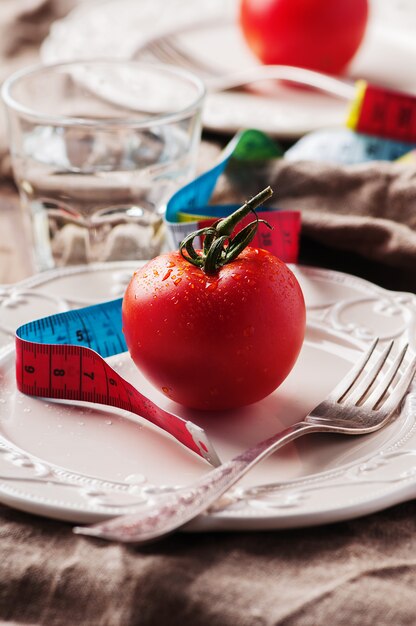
(62, 357)
(383, 113)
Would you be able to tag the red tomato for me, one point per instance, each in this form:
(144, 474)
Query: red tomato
(214, 341)
(321, 35)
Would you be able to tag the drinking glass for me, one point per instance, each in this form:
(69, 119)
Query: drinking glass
(98, 147)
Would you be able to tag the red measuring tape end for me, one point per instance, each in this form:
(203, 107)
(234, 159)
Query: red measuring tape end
(70, 372)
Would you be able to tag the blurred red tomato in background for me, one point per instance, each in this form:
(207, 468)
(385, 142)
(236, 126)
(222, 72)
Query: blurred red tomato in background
(321, 35)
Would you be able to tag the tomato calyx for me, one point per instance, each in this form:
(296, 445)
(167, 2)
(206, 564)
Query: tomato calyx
(220, 247)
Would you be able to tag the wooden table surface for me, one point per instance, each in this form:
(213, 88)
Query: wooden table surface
(15, 250)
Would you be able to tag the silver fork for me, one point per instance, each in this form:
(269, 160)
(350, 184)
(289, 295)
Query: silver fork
(362, 402)
(166, 50)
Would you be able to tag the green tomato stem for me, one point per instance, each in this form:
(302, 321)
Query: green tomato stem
(227, 225)
(220, 247)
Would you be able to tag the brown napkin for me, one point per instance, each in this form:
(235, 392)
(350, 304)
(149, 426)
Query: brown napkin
(354, 573)
(368, 209)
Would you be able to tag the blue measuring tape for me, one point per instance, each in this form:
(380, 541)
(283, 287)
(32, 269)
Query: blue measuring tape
(189, 210)
(346, 147)
(193, 198)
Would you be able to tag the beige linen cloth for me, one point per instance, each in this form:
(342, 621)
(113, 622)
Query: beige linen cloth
(353, 573)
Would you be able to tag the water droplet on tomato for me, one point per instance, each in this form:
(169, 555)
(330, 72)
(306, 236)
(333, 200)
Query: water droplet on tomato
(168, 273)
(177, 281)
(170, 264)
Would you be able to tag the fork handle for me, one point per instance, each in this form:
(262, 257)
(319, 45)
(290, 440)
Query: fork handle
(168, 512)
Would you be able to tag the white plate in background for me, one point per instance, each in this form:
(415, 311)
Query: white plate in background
(208, 30)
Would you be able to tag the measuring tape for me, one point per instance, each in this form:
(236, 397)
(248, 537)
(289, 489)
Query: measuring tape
(63, 356)
(380, 126)
(383, 112)
(188, 209)
(346, 147)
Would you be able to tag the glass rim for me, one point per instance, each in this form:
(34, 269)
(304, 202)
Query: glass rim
(68, 120)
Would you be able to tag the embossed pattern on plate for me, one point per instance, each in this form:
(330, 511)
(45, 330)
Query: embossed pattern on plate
(84, 463)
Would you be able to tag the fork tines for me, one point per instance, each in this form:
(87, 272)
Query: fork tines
(359, 386)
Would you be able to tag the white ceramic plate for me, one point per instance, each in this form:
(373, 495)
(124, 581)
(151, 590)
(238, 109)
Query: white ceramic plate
(207, 30)
(85, 463)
